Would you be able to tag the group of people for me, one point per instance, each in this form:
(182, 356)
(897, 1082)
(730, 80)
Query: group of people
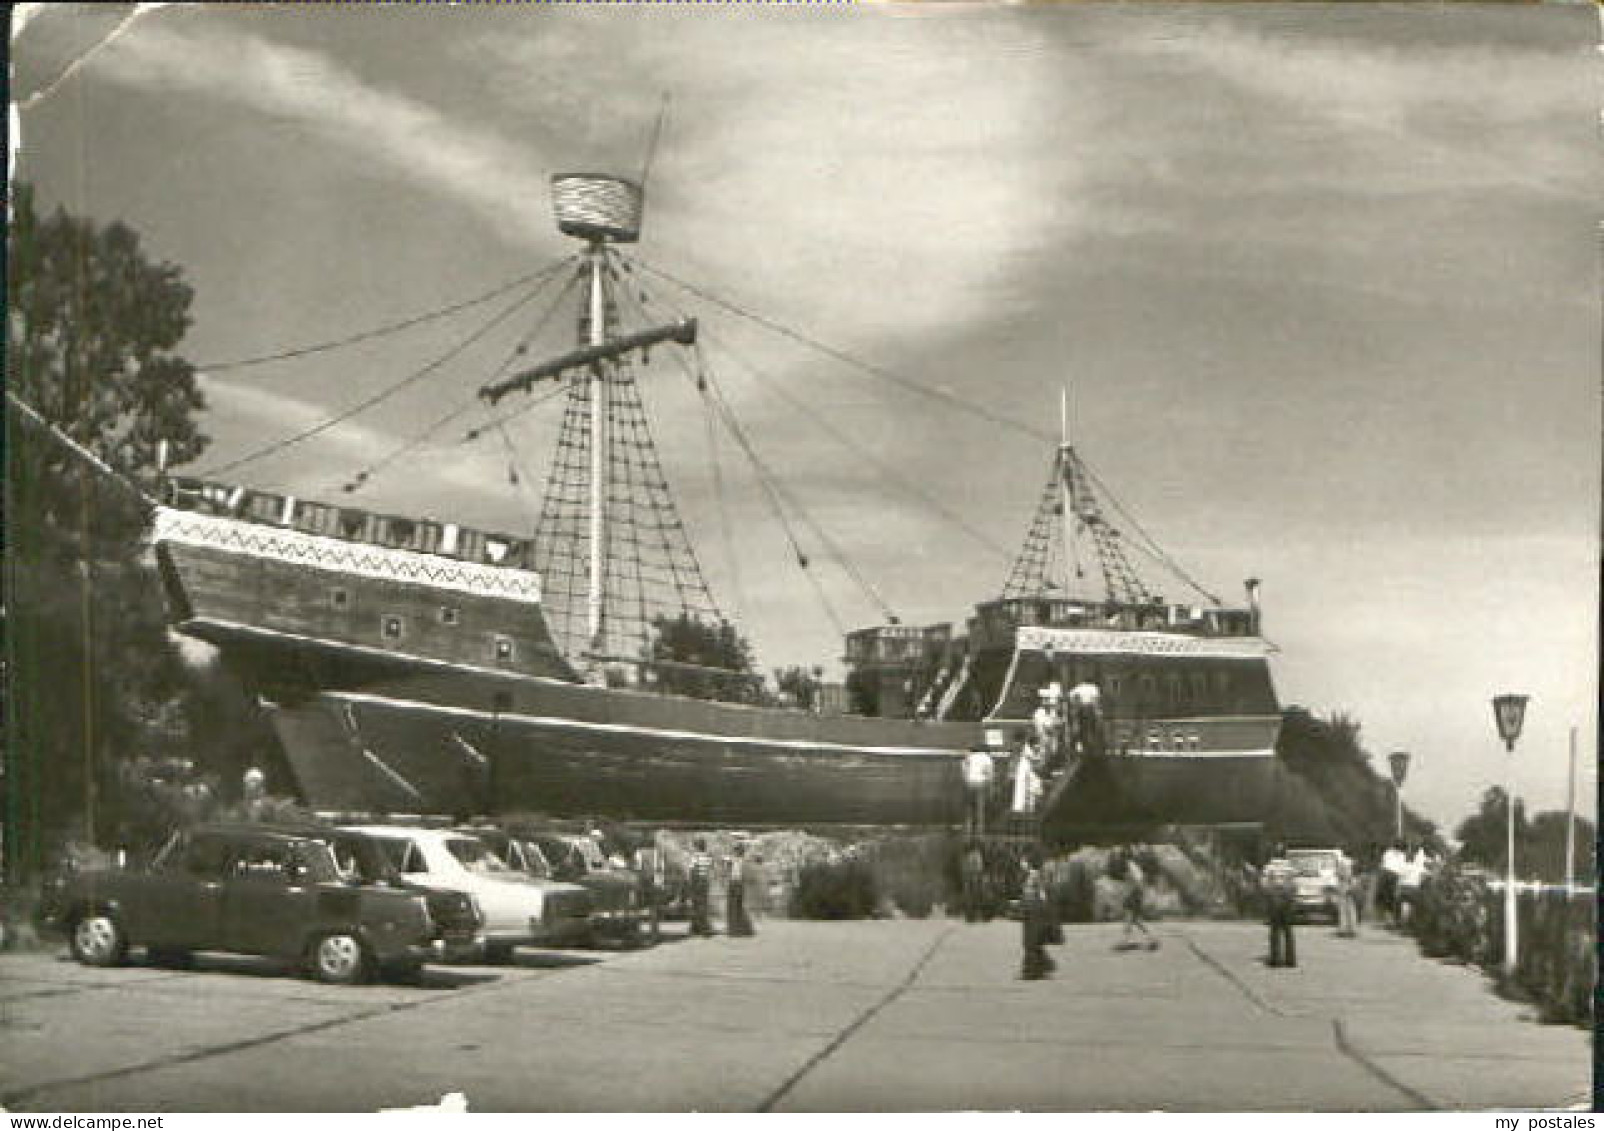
(699, 873)
(1402, 872)
(1040, 926)
(1063, 727)
(1390, 891)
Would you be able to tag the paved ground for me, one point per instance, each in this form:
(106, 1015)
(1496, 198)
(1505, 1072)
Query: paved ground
(808, 1016)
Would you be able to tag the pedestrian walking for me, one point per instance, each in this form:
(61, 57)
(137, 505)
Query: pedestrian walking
(701, 877)
(1135, 904)
(1279, 883)
(1036, 963)
(737, 923)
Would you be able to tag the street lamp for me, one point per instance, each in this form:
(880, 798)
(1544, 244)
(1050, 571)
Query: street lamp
(1398, 761)
(1509, 712)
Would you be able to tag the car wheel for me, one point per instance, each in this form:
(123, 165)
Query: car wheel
(98, 940)
(339, 959)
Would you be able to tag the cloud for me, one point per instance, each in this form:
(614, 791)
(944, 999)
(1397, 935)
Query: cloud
(865, 168)
(413, 140)
(1440, 116)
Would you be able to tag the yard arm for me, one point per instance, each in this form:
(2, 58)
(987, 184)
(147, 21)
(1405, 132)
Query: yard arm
(682, 332)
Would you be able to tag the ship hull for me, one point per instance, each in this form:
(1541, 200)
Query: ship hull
(400, 684)
(364, 752)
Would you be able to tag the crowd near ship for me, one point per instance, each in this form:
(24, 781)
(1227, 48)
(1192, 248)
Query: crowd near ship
(418, 665)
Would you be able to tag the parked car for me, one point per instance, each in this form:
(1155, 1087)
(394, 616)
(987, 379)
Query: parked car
(1316, 880)
(618, 908)
(364, 860)
(519, 909)
(248, 889)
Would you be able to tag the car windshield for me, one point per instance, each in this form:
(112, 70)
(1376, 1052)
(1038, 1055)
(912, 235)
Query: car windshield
(403, 855)
(565, 863)
(1312, 864)
(476, 856)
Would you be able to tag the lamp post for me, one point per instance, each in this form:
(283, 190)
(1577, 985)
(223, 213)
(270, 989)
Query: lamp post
(1509, 712)
(1398, 762)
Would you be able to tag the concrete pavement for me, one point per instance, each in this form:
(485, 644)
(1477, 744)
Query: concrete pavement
(807, 1016)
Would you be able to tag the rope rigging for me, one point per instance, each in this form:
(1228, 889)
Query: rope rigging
(1148, 546)
(378, 331)
(943, 396)
(886, 471)
(365, 475)
(388, 391)
(719, 409)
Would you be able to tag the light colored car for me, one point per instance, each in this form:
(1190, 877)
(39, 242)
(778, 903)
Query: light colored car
(1317, 876)
(518, 908)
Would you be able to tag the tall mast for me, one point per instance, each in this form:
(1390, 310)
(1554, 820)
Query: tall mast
(1065, 500)
(596, 595)
(614, 558)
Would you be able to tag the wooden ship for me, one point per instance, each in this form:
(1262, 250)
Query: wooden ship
(413, 665)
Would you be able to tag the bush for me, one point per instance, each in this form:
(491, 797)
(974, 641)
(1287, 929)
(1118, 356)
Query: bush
(845, 888)
(1459, 916)
(915, 873)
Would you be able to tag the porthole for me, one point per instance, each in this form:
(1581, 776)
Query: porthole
(504, 648)
(390, 627)
(340, 598)
(450, 615)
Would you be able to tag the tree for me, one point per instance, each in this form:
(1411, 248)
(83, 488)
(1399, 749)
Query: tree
(1539, 842)
(92, 327)
(1483, 836)
(1355, 802)
(799, 687)
(702, 659)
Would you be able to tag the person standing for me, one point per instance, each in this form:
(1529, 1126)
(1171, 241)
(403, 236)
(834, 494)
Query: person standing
(1036, 963)
(1046, 725)
(1411, 875)
(973, 869)
(1347, 897)
(1392, 866)
(979, 771)
(1086, 715)
(1027, 786)
(649, 872)
(701, 877)
(737, 923)
(1279, 883)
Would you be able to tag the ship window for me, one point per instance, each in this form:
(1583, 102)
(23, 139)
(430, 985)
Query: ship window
(450, 614)
(390, 626)
(504, 648)
(339, 598)
(1113, 686)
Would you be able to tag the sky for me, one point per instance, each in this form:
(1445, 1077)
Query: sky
(1322, 283)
